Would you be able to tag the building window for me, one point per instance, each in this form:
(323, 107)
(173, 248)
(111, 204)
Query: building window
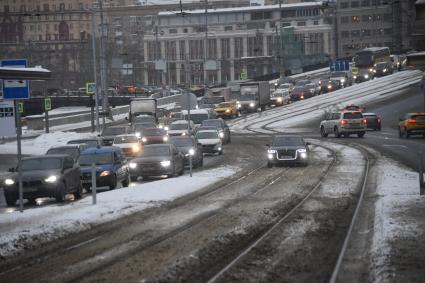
(366, 32)
(182, 45)
(365, 3)
(388, 18)
(225, 48)
(227, 28)
(301, 24)
(40, 37)
(355, 4)
(388, 31)
(316, 23)
(344, 20)
(185, 30)
(172, 30)
(70, 6)
(345, 34)
(344, 5)
(46, 7)
(238, 47)
(355, 19)
(288, 14)
(355, 33)
(61, 7)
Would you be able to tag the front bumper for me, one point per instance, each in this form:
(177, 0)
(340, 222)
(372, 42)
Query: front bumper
(32, 190)
(288, 157)
(100, 181)
(151, 169)
(214, 148)
(224, 114)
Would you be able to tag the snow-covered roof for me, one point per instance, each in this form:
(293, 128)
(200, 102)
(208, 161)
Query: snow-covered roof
(242, 9)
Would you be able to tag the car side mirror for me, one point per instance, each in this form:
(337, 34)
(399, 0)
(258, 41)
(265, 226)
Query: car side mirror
(12, 169)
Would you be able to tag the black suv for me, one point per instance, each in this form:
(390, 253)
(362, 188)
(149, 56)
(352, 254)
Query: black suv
(287, 149)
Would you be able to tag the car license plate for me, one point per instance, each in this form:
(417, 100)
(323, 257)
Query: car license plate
(354, 124)
(85, 181)
(286, 157)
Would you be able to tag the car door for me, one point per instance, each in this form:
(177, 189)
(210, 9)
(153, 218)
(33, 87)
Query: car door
(68, 172)
(328, 117)
(118, 166)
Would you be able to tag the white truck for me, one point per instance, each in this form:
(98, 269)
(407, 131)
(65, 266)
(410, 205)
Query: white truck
(142, 107)
(254, 96)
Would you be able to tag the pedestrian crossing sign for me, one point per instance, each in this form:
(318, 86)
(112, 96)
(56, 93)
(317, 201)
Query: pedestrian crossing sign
(90, 88)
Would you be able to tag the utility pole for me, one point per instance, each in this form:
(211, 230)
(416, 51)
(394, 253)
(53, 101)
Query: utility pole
(96, 92)
(104, 92)
(206, 45)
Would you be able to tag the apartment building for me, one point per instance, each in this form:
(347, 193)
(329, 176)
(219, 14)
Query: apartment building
(366, 23)
(239, 41)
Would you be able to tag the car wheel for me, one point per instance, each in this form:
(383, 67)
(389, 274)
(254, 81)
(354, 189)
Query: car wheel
(220, 152)
(87, 188)
(126, 182)
(134, 178)
(400, 133)
(79, 192)
(361, 134)
(113, 183)
(60, 192)
(337, 133)
(269, 164)
(32, 201)
(346, 135)
(323, 132)
(10, 198)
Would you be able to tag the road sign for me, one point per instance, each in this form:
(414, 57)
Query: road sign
(90, 88)
(7, 119)
(47, 104)
(21, 107)
(339, 65)
(15, 89)
(243, 76)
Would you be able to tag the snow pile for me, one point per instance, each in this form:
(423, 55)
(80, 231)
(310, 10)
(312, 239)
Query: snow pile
(398, 192)
(21, 231)
(42, 143)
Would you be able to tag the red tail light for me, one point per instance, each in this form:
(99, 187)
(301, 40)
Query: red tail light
(411, 121)
(343, 122)
(379, 120)
(364, 121)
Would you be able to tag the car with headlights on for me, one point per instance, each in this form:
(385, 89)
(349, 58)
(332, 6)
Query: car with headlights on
(138, 128)
(181, 128)
(111, 167)
(130, 144)
(73, 150)
(364, 75)
(157, 160)
(54, 175)
(412, 124)
(342, 76)
(154, 135)
(226, 110)
(287, 149)
(108, 134)
(383, 69)
(189, 147)
(332, 85)
(223, 129)
(300, 93)
(279, 97)
(209, 141)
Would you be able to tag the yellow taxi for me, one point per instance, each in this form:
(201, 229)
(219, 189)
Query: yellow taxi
(227, 110)
(412, 124)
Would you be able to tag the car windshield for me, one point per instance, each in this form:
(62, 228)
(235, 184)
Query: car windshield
(213, 123)
(304, 82)
(114, 131)
(216, 99)
(126, 139)
(206, 106)
(284, 86)
(353, 115)
(247, 96)
(381, 65)
(144, 126)
(41, 164)
(98, 159)
(197, 118)
(156, 151)
(225, 105)
(299, 88)
(179, 126)
(154, 132)
(90, 143)
(182, 142)
(73, 152)
(369, 115)
(338, 74)
(207, 135)
(140, 119)
(288, 141)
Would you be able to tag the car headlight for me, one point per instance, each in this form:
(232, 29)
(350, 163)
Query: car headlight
(374, 71)
(303, 155)
(221, 134)
(165, 163)
(9, 182)
(302, 96)
(191, 151)
(302, 150)
(279, 99)
(343, 80)
(184, 133)
(354, 77)
(165, 138)
(144, 139)
(238, 105)
(275, 84)
(105, 173)
(219, 148)
(366, 76)
(384, 70)
(51, 179)
(166, 128)
(329, 86)
(371, 70)
(271, 151)
(251, 104)
(138, 134)
(132, 165)
(161, 126)
(135, 148)
(227, 110)
(270, 156)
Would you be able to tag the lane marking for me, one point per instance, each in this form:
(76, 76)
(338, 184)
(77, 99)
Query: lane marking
(395, 145)
(83, 243)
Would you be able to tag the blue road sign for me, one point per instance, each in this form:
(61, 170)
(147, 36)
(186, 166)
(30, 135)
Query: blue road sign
(15, 89)
(339, 66)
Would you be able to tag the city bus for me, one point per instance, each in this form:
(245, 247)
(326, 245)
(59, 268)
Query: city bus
(365, 60)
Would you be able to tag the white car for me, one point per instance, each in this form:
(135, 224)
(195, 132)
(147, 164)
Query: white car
(130, 144)
(210, 141)
(180, 128)
(279, 97)
(343, 123)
